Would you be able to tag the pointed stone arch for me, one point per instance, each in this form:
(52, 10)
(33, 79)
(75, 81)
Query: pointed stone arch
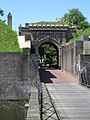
(49, 39)
(53, 41)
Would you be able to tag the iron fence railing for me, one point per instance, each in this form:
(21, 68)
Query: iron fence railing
(85, 75)
(40, 98)
(46, 107)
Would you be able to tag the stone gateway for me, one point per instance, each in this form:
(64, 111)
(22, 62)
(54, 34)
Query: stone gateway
(39, 34)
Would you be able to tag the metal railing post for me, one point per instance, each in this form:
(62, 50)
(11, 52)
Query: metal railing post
(40, 98)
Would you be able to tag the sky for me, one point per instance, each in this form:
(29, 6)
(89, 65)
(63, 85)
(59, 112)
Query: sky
(31, 11)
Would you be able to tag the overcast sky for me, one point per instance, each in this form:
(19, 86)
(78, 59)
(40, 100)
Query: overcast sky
(41, 10)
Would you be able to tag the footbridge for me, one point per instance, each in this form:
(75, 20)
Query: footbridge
(48, 94)
(61, 97)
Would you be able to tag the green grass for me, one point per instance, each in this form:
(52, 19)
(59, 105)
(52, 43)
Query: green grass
(86, 32)
(47, 22)
(8, 39)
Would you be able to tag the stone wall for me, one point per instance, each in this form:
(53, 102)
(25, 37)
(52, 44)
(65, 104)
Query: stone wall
(86, 47)
(72, 60)
(70, 56)
(16, 75)
(10, 66)
(61, 33)
(84, 61)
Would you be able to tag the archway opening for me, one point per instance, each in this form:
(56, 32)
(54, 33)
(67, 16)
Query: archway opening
(48, 55)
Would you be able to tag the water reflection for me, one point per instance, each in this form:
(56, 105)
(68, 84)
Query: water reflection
(12, 110)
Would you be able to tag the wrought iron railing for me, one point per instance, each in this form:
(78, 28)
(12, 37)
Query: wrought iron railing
(46, 107)
(85, 75)
(40, 98)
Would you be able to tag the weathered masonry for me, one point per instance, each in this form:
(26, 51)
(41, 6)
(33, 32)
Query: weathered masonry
(40, 34)
(76, 57)
(69, 55)
(17, 74)
(18, 71)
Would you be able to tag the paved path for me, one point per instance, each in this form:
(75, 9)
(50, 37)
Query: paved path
(71, 100)
(56, 76)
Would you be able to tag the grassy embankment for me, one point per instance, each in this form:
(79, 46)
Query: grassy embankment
(86, 32)
(8, 39)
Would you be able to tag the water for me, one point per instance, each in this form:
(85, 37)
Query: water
(12, 110)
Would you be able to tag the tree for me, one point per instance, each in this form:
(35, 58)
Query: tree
(75, 17)
(83, 25)
(1, 14)
(50, 52)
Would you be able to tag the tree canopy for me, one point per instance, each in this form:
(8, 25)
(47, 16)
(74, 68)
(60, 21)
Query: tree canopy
(49, 52)
(1, 12)
(75, 17)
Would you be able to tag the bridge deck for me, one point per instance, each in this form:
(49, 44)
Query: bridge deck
(71, 100)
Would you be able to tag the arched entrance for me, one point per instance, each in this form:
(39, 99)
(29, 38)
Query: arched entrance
(48, 55)
(43, 57)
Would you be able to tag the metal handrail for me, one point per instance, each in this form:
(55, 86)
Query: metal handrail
(58, 117)
(84, 74)
(40, 98)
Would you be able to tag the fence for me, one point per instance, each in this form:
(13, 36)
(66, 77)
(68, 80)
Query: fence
(85, 75)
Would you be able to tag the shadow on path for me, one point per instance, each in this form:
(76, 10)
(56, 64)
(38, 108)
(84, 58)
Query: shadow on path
(45, 76)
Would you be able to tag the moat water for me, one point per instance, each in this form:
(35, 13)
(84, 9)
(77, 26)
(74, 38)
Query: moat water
(12, 110)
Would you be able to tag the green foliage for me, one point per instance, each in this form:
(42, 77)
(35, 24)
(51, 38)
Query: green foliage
(50, 52)
(8, 39)
(79, 33)
(1, 12)
(86, 32)
(83, 25)
(75, 17)
(49, 49)
(47, 22)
